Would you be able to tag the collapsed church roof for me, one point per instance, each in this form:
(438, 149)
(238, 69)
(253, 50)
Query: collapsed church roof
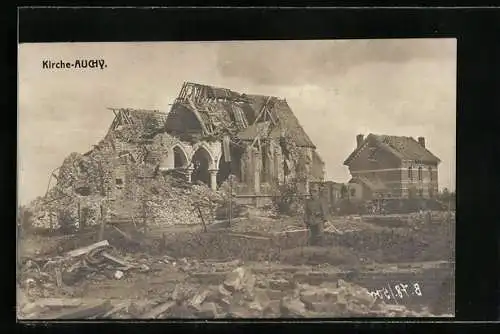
(138, 117)
(214, 111)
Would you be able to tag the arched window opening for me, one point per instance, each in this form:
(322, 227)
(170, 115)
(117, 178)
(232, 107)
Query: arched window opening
(201, 163)
(180, 159)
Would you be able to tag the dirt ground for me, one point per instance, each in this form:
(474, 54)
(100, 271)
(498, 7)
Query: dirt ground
(369, 254)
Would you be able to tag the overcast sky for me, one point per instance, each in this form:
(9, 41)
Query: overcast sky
(337, 89)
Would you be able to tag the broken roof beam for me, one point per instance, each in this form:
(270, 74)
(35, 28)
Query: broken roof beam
(262, 110)
(115, 122)
(271, 116)
(121, 118)
(121, 114)
(182, 93)
(198, 116)
(52, 174)
(126, 115)
(259, 134)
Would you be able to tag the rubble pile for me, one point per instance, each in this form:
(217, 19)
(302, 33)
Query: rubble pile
(167, 205)
(86, 184)
(40, 276)
(237, 293)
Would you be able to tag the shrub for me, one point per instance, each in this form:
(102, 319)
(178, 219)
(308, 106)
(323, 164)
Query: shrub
(24, 218)
(67, 221)
(285, 198)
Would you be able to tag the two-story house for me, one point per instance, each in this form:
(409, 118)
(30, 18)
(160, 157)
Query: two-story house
(392, 167)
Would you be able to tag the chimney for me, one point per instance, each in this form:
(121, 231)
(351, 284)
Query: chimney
(359, 140)
(421, 141)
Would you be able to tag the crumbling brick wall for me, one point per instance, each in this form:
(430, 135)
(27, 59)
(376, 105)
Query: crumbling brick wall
(140, 191)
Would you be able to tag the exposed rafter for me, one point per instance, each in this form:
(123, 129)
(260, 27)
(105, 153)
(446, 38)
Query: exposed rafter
(198, 116)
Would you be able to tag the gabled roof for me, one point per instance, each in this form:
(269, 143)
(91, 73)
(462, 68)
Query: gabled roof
(291, 124)
(221, 108)
(405, 148)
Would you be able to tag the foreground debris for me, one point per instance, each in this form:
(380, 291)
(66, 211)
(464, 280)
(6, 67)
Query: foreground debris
(237, 293)
(206, 273)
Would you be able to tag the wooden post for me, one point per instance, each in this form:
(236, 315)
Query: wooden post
(144, 219)
(201, 217)
(230, 195)
(79, 215)
(227, 158)
(103, 222)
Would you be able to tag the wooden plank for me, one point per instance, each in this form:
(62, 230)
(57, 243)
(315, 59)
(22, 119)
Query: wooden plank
(157, 311)
(83, 312)
(125, 235)
(60, 302)
(87, 249)
(116, 309)
(292, 231)
(197, 114)
(248, 236)
(116, 260)
(120, 221)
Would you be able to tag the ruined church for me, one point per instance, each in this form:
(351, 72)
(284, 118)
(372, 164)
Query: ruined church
(211, 133)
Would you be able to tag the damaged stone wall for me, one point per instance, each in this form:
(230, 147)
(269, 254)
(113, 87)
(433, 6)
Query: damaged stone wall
(248, 167)
(121, 170)
(289, 164)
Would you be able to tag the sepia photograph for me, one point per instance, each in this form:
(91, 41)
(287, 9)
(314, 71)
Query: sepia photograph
(237, 179)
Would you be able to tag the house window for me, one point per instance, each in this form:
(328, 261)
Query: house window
(421, 192)
(420, 173)
(119, 183)
(371, 155)
(410, 174)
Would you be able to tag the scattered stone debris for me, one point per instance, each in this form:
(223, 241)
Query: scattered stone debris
(238, 295)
